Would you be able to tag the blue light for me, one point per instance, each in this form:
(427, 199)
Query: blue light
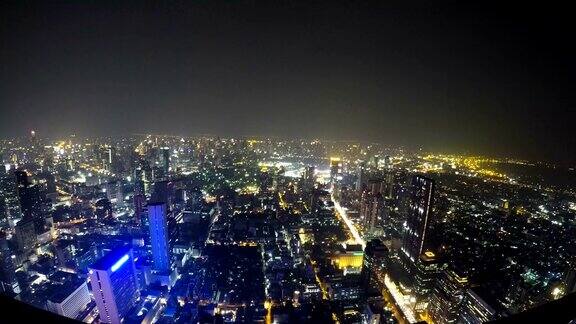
(119, 263)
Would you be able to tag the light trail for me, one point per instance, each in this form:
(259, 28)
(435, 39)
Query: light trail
(342, 212)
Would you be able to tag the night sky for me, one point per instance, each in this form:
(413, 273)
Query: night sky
(445, 76)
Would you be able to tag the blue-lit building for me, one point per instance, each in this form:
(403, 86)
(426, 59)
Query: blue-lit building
(114, 285)
(157, 219)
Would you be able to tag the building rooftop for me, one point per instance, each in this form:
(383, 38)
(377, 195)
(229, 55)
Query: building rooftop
(111, 259)
(63, 291)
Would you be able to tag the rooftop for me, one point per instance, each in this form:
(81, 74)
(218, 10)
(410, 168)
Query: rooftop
(110, 259)
(63, 291)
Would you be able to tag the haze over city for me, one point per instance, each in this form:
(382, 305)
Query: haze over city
(480, 78)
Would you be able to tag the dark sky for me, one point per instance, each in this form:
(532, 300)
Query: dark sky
(449, 76)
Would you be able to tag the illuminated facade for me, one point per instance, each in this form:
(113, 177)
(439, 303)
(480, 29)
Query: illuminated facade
(351, 257)
(418, 216)
(159, 236)
(447, 297)
(114, 285)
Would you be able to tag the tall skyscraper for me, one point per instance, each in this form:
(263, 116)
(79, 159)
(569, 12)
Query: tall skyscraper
(157, 218)
(165, 159)
(114, 285)
(31, 202)
(9, 194)
(360, 176)
(25, 235)
(418, 218)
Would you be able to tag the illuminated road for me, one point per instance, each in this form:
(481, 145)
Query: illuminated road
(348, 223)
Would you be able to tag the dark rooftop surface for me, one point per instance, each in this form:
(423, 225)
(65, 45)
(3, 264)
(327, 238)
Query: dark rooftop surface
(63, 291)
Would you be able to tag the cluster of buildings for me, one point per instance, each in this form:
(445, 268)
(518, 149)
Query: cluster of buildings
(161, 229)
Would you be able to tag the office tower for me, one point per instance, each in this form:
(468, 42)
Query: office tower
(108, 158)
(371, 210)
(114, 285)
(165, 159)
(360, 176)
(9, 194)
(418, 218)
(70, 299)
(447, 296)
(158, 221)
(35, 147)
(115, 192)
(375, 263)
(8, 282)
(31, 202)
(25, 235)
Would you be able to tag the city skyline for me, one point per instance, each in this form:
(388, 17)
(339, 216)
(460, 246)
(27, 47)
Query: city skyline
(167, 229)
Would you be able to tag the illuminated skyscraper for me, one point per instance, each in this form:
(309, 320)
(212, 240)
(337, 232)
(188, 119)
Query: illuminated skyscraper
(418, 218)
(114, 285)
(158, 221)
(9, 194)
(360, 176)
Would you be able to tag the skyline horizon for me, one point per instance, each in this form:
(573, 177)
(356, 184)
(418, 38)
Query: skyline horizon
(411, 148)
